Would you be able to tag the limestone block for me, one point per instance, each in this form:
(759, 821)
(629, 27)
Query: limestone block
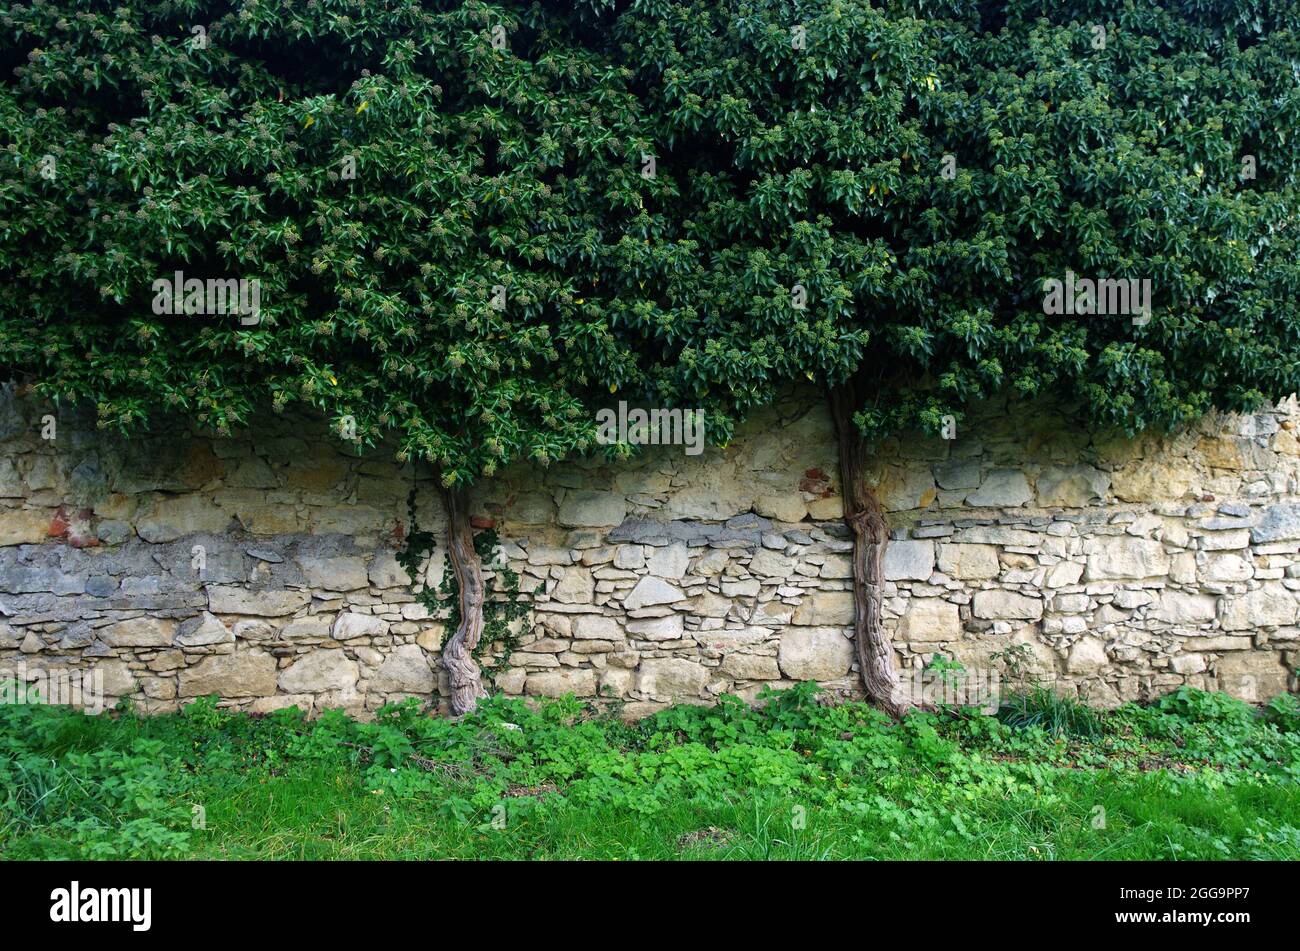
(670, 678)
(909, 560)
(405, 670)
(320, 671)
(815, 653)
(579, 681)
(244, 674)
(822, 608)
(929, 620)
(969, 562)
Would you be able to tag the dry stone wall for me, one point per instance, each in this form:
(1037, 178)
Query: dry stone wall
(261, 567)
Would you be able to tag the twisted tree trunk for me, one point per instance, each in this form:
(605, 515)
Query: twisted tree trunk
(866, 520)
(463, 673)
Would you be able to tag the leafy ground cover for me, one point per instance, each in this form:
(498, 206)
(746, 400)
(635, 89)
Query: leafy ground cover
(1194, 775)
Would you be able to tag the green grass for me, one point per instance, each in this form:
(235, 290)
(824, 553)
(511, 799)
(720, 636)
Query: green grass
(1196, 775)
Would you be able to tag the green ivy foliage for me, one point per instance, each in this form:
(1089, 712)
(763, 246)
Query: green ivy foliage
(921, 168)
(489, 149)
(502, 606)
(649, 182)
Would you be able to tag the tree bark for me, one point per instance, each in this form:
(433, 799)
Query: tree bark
(463, 673)
(866, 520)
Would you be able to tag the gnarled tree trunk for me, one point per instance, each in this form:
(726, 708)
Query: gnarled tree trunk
(463, 673)
(866, 519)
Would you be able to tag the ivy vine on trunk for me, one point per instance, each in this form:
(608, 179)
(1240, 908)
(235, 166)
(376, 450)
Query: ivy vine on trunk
(865, 518)
(476, 619)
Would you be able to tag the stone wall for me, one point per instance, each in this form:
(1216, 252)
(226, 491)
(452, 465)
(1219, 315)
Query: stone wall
(261, 567)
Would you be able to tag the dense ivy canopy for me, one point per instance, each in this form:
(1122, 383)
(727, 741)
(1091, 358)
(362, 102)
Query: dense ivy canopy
(916, 171)
(422, 191)
(693, 203)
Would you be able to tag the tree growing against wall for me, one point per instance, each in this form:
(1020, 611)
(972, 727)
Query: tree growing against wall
(916, 205)
(396, 214)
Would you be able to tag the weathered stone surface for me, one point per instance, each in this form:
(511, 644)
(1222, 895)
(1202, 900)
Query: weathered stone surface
(202, 631)
(1225, 541)
(770, 564)
(1087, 655)
(335, 574)
(1271, 605)
(738, 530)
(751, 667)
(576, 586)
(113, 532)
(997, 535)
(629, 558)
(906, 560)
(230, 599)
(320, 671)
(1181, 607)
(815, 653)
(244, 674)
(1188, 664)
(548, 555)
(616, 682)
(581, 682)
(312, 627)
(385, 572)
(825, 608)
(24, 526)
(596, 626)
(350, 624)
(77, 636)
(140, 632)
(958, 474)
(905, 487)
(1072, 486)
(650, 591)
(119, 680)
(929, 620)
(511, 682)
(405, 670)
(670, 678)
(1125, 557)
(1278, 523)
(263, 705)
(1226, 567)
(1010, 605)
(432, 637)
(181, 515)
(820, 510)
(783, 508)
(969, 562)
(582, 509)
(669, 562)
(657, 628)
(1254, 676)
(532, 508)
(709, 494)
(1151, 480)
(11, 483)
(1063, 574)
(1001, 488)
